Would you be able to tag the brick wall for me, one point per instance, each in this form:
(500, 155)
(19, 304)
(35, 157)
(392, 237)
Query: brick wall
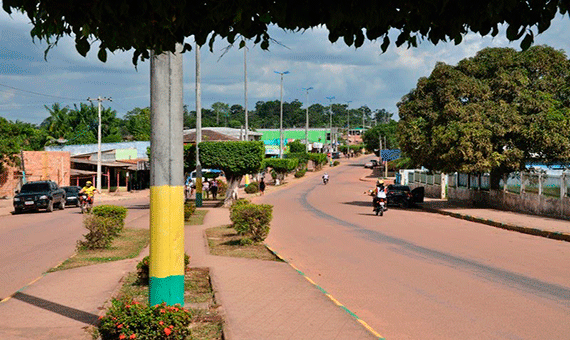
(40, 165)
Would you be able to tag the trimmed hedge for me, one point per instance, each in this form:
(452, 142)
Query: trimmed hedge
(318, 158)
(252, 188)
(281, 166)
(303, 157)
(116, 213)
(189, 210)
(101, 232)
(300, 173)
(252, 220)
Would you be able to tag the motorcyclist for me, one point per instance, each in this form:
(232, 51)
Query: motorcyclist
(325, 177)
(378, 193)
(88, 189)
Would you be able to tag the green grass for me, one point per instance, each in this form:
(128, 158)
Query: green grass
(224, 241)
(197, 218)
(125, 246)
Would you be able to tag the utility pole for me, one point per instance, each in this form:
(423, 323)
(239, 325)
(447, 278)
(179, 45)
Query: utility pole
(281, 116)
(330, 121)
(166, 283)
(386, 165)
(348, 117)
(198, 128)
(245, 89)
(99, 100)
(380, 148)
(307, 119)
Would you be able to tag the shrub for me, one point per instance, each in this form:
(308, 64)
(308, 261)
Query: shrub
(100, 233)
(133, 320)
(237, 203)
(189, 210)
(252, 220)
(222, 187)
(335, 163)
(303, 158)
(297, 146)
(252, 188)
(143, 273)
(300, 173)
(116, 213)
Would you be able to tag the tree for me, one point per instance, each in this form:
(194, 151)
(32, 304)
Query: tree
(296, 146)
(371, 137)
(18, 136)
(490, 113)
(142, 26)
(235, 159)
(220, 108)
(136, 124)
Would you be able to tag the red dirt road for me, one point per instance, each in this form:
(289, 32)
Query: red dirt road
(32, 243)
(418, 275)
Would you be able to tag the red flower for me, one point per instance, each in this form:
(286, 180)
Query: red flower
(101, 317)
(133, 336)
(120, 326)
(161, 323)
(167, 331)
(171, 327)
(135, 303)
(122, 336)
(162, 311)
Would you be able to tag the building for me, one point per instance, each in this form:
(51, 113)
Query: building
(36, 166)
(319, 138)
(220, 134)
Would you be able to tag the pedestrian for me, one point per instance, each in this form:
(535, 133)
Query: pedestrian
(206, 189)
(262, 186)
(214, 189)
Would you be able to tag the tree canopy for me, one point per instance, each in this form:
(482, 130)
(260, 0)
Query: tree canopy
(147, 25)
(490, 113)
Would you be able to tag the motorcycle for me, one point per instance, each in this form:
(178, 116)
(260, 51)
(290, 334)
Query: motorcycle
(84, 203)
(325, 180)
(380, 206)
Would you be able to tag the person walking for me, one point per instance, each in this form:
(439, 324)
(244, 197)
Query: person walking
(214, 189)
(206, 189)
(261, 186)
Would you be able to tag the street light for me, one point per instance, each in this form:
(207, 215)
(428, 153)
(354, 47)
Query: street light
(330, 123)
(307, 122)
(348, 115)
(281, 116)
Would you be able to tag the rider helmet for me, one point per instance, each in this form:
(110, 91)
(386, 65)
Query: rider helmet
(89, 183)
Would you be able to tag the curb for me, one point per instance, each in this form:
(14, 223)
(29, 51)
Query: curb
(335, 301)
(512, 227)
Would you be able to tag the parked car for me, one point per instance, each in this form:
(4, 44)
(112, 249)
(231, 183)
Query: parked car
(206, 173)
(72, 195)
(371, 164)
(401, 195)
(39, 195)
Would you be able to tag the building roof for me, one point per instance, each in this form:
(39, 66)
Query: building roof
(218, 134)
(108, 164)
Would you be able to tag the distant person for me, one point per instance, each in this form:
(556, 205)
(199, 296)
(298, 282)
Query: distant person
(262, 186)
(214, 189)
(206, 189)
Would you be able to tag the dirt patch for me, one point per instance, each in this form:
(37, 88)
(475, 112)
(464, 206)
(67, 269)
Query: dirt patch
(225, 241)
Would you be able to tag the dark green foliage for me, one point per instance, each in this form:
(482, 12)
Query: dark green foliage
(234, 158)
(239, 202)
(356, 149)
(252, 220)
(125, 318)
(318, 159)
(18, 136)
(142, 26)
(189, 209)
(189, 158)
(144, 265)
(136, 124)
(303, 157)
(491, 113)
(281, 166)
(252, 188)
(300, 173)
(222, 187)
(335, 163)
(388, 131)
(297, 147)
(115, 213)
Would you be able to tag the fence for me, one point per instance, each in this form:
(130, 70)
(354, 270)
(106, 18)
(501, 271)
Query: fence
(549, 185)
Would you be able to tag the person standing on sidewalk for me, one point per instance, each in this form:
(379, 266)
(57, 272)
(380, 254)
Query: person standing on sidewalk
(214, 188)
(261, 186)
(206, 188)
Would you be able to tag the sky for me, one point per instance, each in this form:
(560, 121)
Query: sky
(363, 76)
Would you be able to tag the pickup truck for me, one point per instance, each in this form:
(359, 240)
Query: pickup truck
(39, 195)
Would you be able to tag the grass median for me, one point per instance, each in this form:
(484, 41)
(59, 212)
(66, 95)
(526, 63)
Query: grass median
(225, 241)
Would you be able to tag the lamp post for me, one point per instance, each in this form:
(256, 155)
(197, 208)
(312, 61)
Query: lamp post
(307, 121)
(281, 116)
(348, 117)
(330, 122)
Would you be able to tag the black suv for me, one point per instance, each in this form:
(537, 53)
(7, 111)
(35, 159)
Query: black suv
(39, 195)
(402, 195)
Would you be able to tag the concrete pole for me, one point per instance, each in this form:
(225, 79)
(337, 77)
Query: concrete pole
(99, 145)
(198, 128)
(330, 122)
(348, 117)
(245, 91)
(307, 120)
(281, 121)
(166, 282)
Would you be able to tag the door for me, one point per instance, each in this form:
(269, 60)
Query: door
(418, 195)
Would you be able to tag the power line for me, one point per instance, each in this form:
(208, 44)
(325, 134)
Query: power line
(40, 94)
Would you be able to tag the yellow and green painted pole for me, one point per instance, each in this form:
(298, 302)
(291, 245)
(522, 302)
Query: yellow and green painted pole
(166, 181)
(198, 128)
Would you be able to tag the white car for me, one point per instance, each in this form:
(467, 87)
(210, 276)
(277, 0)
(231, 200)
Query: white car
(369, 165)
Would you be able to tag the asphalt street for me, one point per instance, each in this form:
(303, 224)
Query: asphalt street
(417, 275)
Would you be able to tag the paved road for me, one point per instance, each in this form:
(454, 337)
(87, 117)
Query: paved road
(32, 243)
(417, 275)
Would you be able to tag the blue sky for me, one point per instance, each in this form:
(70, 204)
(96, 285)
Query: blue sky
(364, 76)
